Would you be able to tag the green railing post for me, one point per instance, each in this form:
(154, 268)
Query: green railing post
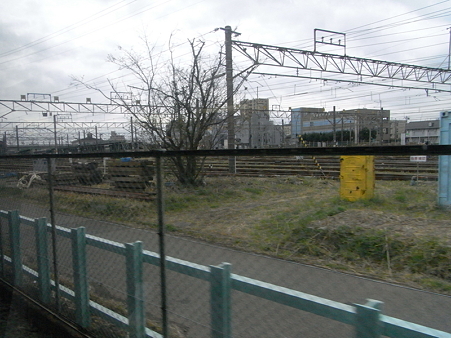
(220, 301)
(78, 237)
(42, 259)
(14, 237)
(135, 290)
(367, 319)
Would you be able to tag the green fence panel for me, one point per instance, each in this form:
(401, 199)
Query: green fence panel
(299, 300)
(367, 319)
(398, 328)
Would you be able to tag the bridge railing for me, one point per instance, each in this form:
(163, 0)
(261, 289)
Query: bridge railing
(367, 319)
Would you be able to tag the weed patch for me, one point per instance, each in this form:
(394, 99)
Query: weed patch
(379, 247)
(401, 232)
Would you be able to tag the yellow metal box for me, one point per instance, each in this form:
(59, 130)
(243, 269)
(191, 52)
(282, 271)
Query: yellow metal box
(357, 177)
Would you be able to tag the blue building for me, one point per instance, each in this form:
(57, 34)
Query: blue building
(301, 118)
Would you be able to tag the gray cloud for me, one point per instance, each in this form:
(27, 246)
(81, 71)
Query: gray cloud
(75, 43)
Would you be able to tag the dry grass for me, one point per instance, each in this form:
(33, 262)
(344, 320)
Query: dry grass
(400, 235)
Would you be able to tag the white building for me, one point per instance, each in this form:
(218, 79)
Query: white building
(420, 132)
(254, 129)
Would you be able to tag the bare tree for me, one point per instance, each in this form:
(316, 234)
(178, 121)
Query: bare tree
(180, 107)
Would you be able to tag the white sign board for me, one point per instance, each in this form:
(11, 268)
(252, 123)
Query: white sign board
(418, 158)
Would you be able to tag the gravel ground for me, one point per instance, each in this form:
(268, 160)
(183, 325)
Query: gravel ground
(18, 321)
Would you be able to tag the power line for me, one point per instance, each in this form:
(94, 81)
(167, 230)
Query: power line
(67, 28)
(396, 16)
(147, 8)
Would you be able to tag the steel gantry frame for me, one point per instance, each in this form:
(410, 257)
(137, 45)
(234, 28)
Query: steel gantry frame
(47, 131)
(364, 69)
(56, 133)
(56, 107)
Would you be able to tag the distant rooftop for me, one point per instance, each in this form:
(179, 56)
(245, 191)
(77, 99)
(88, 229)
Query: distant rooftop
(431, 124)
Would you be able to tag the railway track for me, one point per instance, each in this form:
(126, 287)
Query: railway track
(386, 168)
(106, 192)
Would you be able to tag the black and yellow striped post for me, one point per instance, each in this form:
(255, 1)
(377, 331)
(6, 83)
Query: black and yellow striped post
(315, 160)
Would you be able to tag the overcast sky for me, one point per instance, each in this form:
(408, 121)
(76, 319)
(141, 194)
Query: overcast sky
(43, 43)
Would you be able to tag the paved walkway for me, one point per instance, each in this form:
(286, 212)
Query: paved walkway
(252, 317)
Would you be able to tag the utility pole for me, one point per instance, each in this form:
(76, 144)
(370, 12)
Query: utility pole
(342, 128)
(335, 127)
(17, 138)
(97, 139)
(449, 50)
(283, 134)
(54, 133)
(132, 131)
(356, 127)
(230, 108)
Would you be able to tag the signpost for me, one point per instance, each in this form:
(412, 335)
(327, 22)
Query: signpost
(418, 159)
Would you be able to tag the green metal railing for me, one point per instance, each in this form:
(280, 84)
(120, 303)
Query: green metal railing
(367, 319)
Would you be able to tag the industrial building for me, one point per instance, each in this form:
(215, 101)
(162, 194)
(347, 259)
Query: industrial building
(354, 121)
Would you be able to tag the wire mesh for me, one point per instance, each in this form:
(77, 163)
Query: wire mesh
(189, 306)
(106, 273)
(273, 222)
(255, 317)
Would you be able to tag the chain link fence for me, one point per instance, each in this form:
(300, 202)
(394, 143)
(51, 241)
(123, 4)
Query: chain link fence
(266, 221)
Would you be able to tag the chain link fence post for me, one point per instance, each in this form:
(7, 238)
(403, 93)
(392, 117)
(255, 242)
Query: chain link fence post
(162, 248)
(53, 223)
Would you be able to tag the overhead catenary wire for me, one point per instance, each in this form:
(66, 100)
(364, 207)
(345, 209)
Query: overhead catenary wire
(400, 97)
(428, 6)
(104, 83)
(272, 90)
